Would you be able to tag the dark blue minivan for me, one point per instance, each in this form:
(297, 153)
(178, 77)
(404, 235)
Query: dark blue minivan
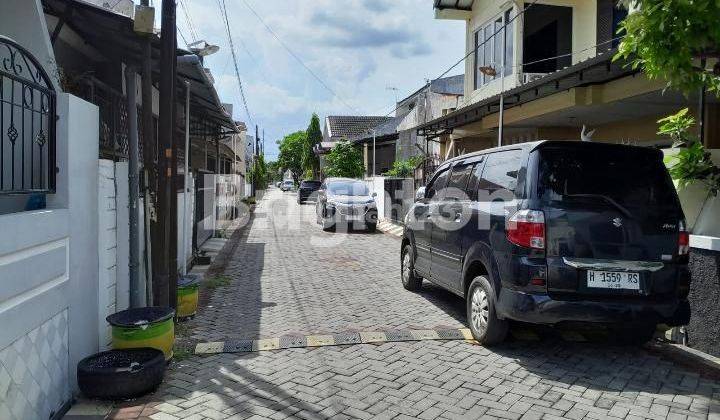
(552, 232)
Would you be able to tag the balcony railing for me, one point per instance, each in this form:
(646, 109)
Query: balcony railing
(27, 123)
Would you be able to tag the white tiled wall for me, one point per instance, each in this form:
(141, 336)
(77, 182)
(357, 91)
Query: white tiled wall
(34, 372)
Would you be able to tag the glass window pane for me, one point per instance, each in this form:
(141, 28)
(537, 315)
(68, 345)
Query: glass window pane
(488, 50)
(437, 185)
(458, 180)
(501, 171)
(478, 61)
(509, 58)
(498, 45)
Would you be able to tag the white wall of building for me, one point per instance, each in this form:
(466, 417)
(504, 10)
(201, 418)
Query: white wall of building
(186, 215)
(48, 258)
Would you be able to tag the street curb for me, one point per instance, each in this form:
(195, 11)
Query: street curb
(324, 340)
(686, 355)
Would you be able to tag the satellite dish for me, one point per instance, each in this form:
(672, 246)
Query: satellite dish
(202, 48)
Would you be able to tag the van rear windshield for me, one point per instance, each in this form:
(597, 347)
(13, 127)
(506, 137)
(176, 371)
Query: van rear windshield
(629, 177)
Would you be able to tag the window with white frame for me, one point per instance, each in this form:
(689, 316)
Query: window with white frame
(488, 51)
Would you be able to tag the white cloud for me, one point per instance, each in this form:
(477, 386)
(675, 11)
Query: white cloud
(358, 48)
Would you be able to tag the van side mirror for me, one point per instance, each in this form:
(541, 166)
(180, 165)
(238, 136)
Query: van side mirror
(374, 195)
(420, 194)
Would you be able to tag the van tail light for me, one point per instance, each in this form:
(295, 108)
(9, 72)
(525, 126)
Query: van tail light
(683, 240)
(526, 228)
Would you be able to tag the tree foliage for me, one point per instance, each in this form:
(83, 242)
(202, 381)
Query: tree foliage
(259, 173)
(314, 136)
(667, 38)
(292, 150)
(404, 168)
(274, 171)
(345, 160)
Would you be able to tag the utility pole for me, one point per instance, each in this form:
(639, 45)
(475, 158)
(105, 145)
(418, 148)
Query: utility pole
(501, 117)
(374, 165)
(166, 159)
(186, 180)
(136, 300)
(256, 154)
(149, 156)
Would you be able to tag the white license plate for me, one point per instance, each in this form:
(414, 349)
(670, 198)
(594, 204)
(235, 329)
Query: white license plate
(613, 280)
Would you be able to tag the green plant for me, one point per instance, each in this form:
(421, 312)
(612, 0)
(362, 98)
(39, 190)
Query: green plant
(292, 149)
(345, 160)
(259, 174)
(313, 137)
(692, 163)
(404, 168)
(669, 38)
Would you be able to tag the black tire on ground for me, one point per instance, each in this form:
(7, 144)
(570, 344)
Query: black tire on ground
(634, 335)
(121, 374)
(410, 280)
(371, 227)
(485, 326)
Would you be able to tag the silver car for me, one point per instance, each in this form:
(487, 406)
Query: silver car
(287, 185)
(347, 202)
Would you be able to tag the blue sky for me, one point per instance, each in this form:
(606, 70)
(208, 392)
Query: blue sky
(359, 48)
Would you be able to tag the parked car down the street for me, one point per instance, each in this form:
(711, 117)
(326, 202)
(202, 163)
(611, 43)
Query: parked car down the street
(308, 190)
(346, 202)
(287, 185)
(554, 232)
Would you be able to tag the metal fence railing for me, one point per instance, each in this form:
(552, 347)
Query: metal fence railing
(27, 123)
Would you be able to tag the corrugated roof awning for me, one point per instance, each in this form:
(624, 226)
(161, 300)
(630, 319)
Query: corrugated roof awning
(204, 98)
(109, 31)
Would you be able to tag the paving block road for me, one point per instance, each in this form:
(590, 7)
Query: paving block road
(286, 277)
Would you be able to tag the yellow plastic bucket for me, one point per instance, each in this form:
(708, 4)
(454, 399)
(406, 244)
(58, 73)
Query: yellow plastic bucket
(187, 296)
(144, 327)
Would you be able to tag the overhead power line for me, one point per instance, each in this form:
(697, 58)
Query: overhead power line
(467, 55)
(188, 21)
(223, 12)
(296, 57)
(555, 57)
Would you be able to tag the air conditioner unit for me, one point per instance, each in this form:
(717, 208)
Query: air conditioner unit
(531, 77)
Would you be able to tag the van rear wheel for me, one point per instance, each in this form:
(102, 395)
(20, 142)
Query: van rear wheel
(485, 326)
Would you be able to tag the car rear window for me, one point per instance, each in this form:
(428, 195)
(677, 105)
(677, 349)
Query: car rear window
(630, 177)
(310, 184)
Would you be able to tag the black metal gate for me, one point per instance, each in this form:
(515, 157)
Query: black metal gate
(27, 123)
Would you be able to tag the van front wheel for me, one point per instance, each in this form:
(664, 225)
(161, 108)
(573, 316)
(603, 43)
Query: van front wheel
(485, 326)
(410, 280)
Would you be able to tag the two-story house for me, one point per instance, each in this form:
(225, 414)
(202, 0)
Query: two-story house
(397, 139)
(552, 60)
